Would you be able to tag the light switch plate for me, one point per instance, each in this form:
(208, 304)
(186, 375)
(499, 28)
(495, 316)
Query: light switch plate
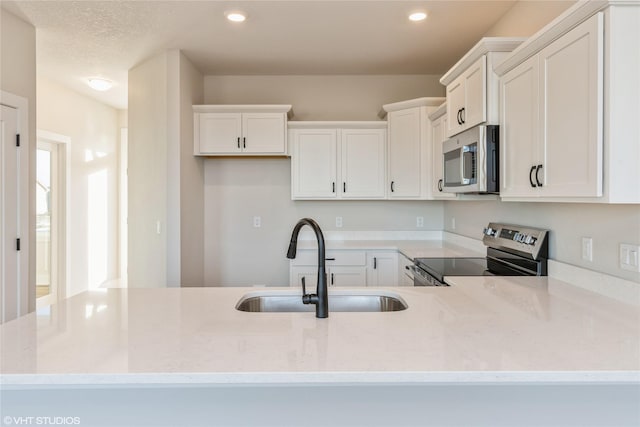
(587, 248)
(629, 257)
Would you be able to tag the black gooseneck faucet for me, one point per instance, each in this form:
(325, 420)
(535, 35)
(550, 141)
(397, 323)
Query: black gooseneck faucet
(321, 297)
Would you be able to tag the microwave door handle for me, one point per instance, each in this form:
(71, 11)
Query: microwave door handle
(465, 149)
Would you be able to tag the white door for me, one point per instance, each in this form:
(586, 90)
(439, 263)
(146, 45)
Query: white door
(314, 170)
(404, 154)
(220, 133)
(571, 106)
(263, 132)
(438, 130)
(383, 268)
(519, 130)
(363, 163)
(13, 226)
(475, 88)
(347, 276)
(455, 104)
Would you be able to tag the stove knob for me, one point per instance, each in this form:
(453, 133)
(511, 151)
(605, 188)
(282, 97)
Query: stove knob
(528, 240)
(489, 232)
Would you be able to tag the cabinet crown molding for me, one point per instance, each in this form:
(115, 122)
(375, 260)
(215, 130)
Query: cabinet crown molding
(571, 17)
(484, 46)
(418, 102)
(438, 112)
(255, 108)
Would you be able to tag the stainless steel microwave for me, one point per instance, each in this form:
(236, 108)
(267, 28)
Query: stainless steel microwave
(470, 161)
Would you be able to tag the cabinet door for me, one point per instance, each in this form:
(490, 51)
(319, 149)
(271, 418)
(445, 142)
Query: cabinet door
(383, 268)
(310, 275)
(438, 129)
(314, 164)
(347, 276)
(475, 88)
(455, 104)
(220, 133)
(571, 107)
(363, 163)
(404, 153)
(405, 277)
(263, 133)
(519, 130)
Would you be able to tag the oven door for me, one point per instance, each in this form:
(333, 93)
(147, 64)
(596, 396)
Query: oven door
(422, 278)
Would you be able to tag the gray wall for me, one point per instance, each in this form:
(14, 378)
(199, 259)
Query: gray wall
(607, 225)
(236, 190)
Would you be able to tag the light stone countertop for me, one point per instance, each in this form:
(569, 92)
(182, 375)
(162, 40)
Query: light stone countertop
(479, 330)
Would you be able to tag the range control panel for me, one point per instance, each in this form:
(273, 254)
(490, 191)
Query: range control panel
(527, 240)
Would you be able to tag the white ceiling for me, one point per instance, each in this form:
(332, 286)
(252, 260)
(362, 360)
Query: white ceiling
(81, 39)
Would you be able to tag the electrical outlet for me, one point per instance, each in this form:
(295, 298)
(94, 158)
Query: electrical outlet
(453, 223)
(587, 248)
(629, 257)
(419, 221)
(338, 222)
(257, 222)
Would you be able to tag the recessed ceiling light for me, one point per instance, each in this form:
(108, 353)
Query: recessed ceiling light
(236, 16)
(418, 16)
(100, 84)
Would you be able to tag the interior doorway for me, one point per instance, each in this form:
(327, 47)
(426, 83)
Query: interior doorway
(51, 196)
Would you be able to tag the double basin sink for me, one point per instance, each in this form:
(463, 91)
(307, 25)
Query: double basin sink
(339, 301)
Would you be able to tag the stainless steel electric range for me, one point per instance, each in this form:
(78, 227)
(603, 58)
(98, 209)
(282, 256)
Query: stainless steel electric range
(512, 250)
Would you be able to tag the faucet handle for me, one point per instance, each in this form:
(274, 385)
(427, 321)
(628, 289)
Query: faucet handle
(304, 288)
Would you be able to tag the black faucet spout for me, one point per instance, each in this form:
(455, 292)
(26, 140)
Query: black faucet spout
(321, 297)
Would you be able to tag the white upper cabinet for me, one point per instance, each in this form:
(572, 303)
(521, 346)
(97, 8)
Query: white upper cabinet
(569, 129)
(338, 160)
(472, 86)
(314, 172)
(438, 130)
(224, 130)
(409, 148)
(467, 95)
(404, 153)
(363, 163)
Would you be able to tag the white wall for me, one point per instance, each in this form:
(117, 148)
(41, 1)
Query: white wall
(236, 189)
(191, 179)
(93, 167)
(148, 173)
(355, 97)
(165, 179)
(527, 17)
(18, 77)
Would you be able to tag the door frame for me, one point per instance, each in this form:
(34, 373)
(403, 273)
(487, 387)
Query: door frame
(63, 143)
(26, 214)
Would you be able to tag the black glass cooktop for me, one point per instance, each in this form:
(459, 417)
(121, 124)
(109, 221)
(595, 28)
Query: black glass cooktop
(440, 267)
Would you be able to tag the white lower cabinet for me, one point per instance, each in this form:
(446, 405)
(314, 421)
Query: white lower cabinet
(343, 268)
(346, 268)
(405, 277)
(382, 268)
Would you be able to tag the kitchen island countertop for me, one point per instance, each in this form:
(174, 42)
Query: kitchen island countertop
(479, 330)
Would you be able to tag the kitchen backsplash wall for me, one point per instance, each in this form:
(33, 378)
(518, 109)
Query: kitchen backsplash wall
(237, 190)
(607, 225)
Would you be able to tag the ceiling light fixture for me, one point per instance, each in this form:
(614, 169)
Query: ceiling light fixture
(100, 84)
(418, 16)
(236, 16)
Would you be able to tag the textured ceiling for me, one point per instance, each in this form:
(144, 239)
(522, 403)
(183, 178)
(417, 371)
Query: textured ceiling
(80, 39)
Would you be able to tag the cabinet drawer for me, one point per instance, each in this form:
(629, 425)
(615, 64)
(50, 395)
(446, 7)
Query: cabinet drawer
(310, 257)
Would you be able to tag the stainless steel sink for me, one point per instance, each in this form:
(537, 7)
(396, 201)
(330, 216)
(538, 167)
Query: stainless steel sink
(353, 301)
